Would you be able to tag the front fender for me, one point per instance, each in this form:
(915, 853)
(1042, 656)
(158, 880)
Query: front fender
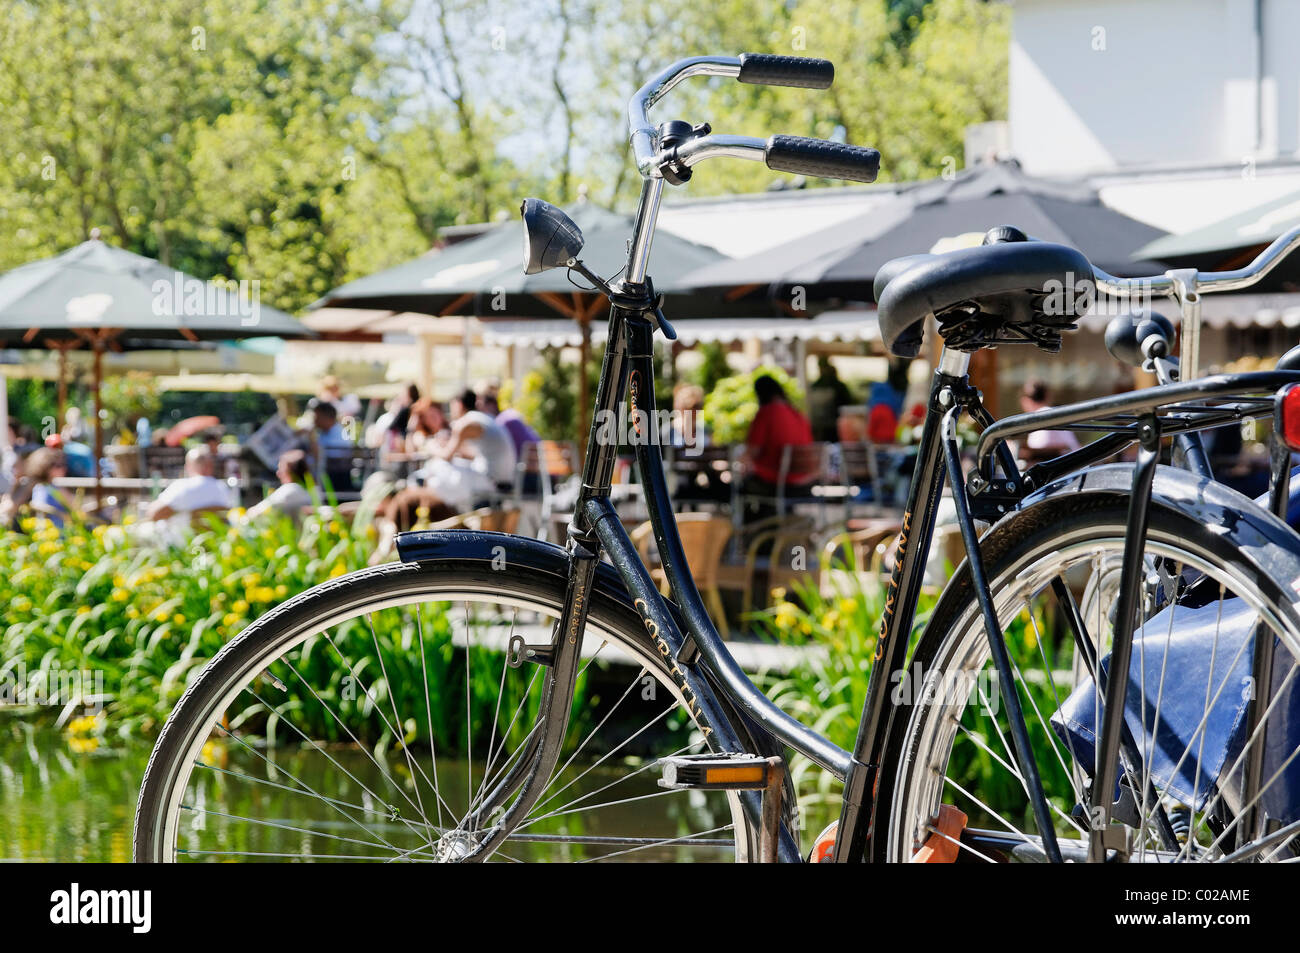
(502, 550)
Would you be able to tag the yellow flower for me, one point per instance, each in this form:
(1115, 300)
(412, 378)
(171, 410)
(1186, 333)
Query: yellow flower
(82, 733)
(281, 591)
(120, 595)
(336, 527)
(214, 753)
(338, 570)
(178, 619)
(239, 607)
(231, 619)
(83, 745)
(83, 610)
(251, 580)
(132, 612)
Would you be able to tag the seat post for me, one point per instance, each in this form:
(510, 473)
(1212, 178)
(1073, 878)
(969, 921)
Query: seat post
(953, 363)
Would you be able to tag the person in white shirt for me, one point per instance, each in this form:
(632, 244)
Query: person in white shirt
(197, 490)
(473, 461)
(291, 495)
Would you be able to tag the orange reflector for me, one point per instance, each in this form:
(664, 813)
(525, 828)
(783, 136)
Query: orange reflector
(944, 843)
(1286, 415)
(823, 849)
(755, 774)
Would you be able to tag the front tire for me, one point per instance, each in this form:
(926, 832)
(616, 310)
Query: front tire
(247, 769)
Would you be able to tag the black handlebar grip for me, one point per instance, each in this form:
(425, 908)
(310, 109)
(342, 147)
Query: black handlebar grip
(830, 160)
(766, 69)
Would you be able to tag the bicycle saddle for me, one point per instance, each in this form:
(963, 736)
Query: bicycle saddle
(1007, 292)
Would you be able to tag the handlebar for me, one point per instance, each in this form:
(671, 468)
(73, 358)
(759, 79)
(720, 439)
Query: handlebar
(1204, 281)
(782, 153)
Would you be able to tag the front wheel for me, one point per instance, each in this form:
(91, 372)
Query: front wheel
(375, 717)
(1054, 575)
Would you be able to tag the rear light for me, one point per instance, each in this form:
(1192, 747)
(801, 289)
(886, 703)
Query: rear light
(1286, 415)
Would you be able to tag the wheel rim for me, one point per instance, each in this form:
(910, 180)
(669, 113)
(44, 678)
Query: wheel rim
(372, 797)
(935, 731)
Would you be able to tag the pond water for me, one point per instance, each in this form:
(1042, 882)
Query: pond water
(57, 804)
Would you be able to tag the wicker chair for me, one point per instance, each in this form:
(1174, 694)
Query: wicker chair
(704, 538)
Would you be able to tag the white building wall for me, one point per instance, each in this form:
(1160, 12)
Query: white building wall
(1097, 85)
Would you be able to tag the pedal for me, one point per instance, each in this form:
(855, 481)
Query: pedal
(718, 772)
(734, 772)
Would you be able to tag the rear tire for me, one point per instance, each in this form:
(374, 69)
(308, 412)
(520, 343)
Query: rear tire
(1068, 533)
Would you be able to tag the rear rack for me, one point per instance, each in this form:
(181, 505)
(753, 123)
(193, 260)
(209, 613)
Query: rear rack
(1202, 404)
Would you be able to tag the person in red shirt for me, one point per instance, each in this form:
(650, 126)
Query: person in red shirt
(777, 425)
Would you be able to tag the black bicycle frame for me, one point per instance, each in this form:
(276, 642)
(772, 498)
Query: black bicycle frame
(697, 658)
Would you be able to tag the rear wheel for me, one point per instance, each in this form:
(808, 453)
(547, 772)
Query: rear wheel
(1190, 743)
(375, 718)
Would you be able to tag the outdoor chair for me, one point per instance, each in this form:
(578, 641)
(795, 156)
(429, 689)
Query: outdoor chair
(167, 463)
(704, 537)
(857, 552)
(541, 467)
(859, 470)
(772, 553)
(811, 461)
(202, 518)
(486, 519)
(347, 467)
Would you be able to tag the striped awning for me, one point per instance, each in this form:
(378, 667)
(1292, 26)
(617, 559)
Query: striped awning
(848, 325)
(1223, 311)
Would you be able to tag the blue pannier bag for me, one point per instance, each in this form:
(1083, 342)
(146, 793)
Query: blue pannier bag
(1178, 672)
(1182, 669)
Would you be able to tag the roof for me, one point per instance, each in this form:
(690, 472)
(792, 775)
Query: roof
(95, 285)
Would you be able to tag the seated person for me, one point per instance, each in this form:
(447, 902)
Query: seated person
(292, 494)
(199, 489)
(424, 423)
(777, 425)
(42, 468)
(1043, 445)
(325, 435)
(475, 460)
(511, 420)
(79, 459)
(19, 493)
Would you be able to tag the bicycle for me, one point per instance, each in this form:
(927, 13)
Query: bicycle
(301, 710)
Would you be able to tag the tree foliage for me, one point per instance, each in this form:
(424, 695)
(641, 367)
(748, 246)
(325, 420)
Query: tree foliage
(306, 144)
